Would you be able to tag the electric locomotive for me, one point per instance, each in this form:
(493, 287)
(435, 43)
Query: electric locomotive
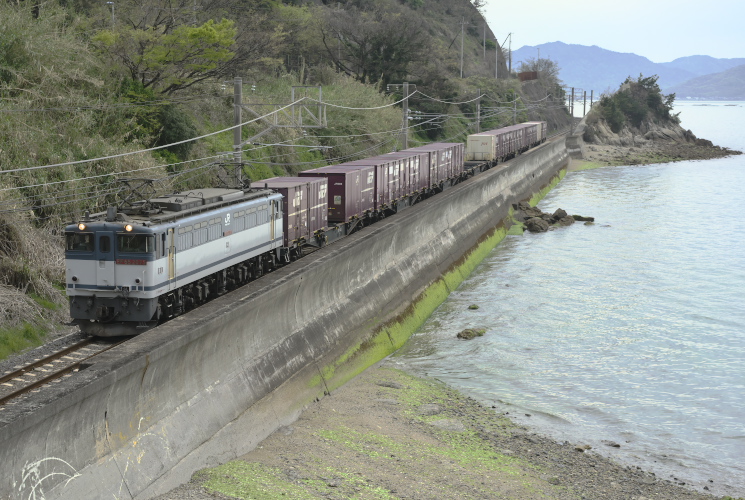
(129, 269)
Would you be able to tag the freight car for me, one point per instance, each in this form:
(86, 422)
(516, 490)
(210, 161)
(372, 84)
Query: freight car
(495, 146)
(129, 269)
(304, 211)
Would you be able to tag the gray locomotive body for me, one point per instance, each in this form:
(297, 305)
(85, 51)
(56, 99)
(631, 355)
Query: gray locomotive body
(127, 271)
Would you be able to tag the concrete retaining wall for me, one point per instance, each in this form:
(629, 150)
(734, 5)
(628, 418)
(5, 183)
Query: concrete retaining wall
(209, 385)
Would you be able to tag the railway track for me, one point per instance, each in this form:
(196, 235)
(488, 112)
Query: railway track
(50, 369)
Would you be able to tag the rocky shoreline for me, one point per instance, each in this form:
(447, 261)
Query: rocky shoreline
(653, 152)
(593, 141)
(390, 435)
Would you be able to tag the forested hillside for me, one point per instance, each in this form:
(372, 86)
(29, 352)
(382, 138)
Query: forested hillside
(92, 92)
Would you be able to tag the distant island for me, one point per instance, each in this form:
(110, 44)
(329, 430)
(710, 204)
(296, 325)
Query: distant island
(600, 70)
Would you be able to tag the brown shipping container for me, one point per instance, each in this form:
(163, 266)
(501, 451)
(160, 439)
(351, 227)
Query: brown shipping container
(346, 199)
(425, 164)
(540, 134)
(517, 137)
(436, 171)
(414, 177)
(385, 182)
(367, 184)
(304, 205)
(447, 160)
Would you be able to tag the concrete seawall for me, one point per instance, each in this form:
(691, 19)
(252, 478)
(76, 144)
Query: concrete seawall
(209, 385)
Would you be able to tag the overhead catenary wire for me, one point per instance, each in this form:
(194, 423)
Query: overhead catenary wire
(77, 194)
(447, 102)
(129, 153)
(325, 103)
(255, 147)
(105, 107)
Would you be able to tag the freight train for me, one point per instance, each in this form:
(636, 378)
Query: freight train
(129, 269)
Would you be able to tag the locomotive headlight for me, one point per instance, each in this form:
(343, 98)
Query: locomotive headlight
(75, 278)
(81, 226)
(128, 227)
(138, 280)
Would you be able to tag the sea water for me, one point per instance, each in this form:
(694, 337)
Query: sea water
(631, 329)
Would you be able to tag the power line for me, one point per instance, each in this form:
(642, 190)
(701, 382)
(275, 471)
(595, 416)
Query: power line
(26, 169)
(113, 106)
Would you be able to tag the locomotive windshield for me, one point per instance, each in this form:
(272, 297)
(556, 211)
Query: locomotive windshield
(79, 242)
(135, 243)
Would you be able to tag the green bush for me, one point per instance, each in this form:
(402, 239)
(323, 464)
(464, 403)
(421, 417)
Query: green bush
(637, 100)
(175, 126)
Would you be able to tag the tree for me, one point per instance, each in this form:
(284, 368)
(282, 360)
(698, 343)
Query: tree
(171, 61)
(636, 102)
(479, 4)
(374, 45)
(170, 45)
(547, 69)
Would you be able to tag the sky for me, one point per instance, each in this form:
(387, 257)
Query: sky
(660, 30)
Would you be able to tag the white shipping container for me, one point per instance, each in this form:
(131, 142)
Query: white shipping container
(481, 147)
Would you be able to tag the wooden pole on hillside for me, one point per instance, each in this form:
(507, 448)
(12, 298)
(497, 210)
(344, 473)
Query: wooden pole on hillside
(496, 59)
(478, 113)
(405, 137)
(237, 120)
(462, 24)
(584, 104)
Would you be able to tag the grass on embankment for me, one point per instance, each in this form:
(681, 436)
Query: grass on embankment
(27, 319)
(19, 338)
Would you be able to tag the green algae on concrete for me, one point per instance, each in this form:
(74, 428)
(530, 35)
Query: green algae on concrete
(543, 192)
(516, 229)
(392, 335)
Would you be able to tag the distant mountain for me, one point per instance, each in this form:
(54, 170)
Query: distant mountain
(728, 85)
(598, 69)
(704, 65)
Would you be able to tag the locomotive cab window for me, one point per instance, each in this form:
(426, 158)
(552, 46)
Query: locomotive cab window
(135, 243)
(104, 244)
(79, 242)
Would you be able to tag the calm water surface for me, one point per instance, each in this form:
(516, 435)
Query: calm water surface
(631, 329)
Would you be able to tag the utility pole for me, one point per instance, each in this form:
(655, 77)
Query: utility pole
(462, 24)
(571, 104)
(510, 53)
(237, 120)
(584, 104)
(113, 19)
(405, 137)
(496, 59)
(478, 113)
(484, 41)
(591, 95)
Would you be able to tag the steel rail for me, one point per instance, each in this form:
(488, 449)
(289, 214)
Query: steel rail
(55, 374)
